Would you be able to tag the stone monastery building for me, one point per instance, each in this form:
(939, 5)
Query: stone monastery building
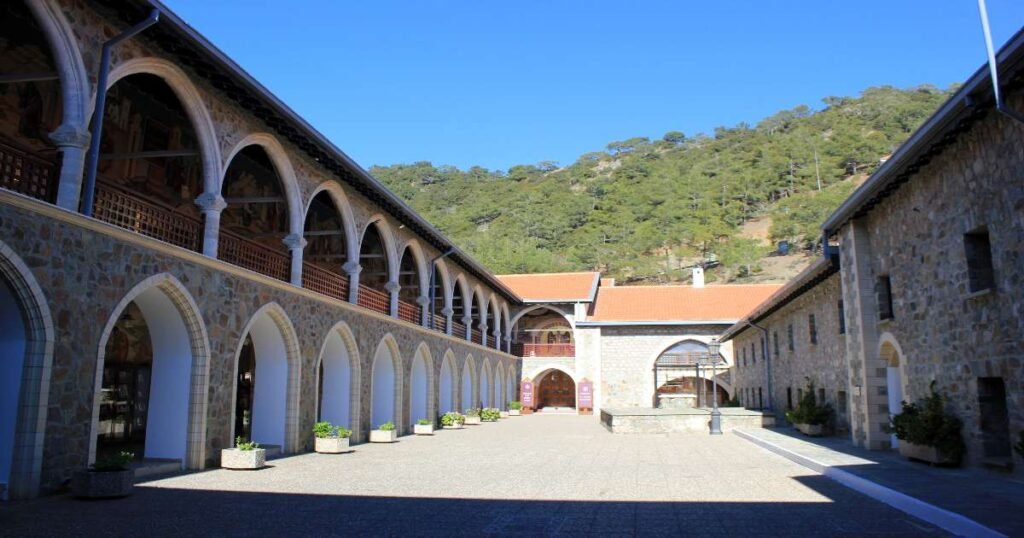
(230, 273)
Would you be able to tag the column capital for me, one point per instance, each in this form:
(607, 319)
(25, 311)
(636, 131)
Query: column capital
(69, 136)
(392, 287)
(352, 267)
(294, 241)
(423, 300)
(211, 201)
(466, 320)
(447, 311)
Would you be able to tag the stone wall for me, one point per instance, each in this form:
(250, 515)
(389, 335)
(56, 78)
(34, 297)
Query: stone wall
(86, 268)
(823, 363)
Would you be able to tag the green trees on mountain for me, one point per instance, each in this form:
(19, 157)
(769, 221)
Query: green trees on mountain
(644, 210)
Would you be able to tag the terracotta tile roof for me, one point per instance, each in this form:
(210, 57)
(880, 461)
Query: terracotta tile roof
(553, 287)
(678, 303)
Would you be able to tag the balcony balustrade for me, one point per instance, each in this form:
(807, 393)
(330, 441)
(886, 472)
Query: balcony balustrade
(254, 256)
(409, 312)
(28, 174)
(375, 300)
(115, 205)
(323, 281)
(458, 329)
(543, 350)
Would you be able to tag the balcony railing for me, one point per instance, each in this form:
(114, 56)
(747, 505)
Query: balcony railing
(458, 329)
(28, 174)
(323, 281)
(544, 350)
(439, 322)
(378, 301)
(254, 256)
(409, 312)
(115, 205)
(476, 336)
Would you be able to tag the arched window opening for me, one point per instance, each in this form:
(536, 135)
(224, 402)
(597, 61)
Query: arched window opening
(335, 388)
(255, 221)
(419, 390)
(409, 290)
(437, 306)
(446, 386)
(458, 311)
(30, 105)
(543, 333)
(325, 252)
(373, 278)
(476, 335)
(150, 169)
(485, 386)
(681, 379)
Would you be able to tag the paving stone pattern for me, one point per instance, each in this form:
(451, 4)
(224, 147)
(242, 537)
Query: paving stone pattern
(530, 475)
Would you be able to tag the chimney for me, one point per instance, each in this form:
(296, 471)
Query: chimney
(698, 277)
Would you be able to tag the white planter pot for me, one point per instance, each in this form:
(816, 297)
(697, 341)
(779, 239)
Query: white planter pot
(331, 445)
(232, 458)
(381, 436)
(452, 427)
(503, 414)
(924, 453)
(514, 412)
(102, 485)
(473, 420)
(811, 430)
(423, 429)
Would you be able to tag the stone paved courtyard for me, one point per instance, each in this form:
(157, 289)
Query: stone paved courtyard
(532, 475)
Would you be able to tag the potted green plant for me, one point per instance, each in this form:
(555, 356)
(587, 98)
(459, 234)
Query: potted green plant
(246, 455)
(108, 478)
(490, 414)
(472, 416)
(809, 417)
(927, 432)
(385, 433)
(423, 427)
(452, 420)
(331, 439)
(515, 408)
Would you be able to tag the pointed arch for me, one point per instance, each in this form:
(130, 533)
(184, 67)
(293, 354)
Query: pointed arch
(494, 325)
(28, 389)
(499, 386)
(468, 382)
(387, 236)
(386, 383)
(191, 100)
(420, 258)
(178, 386)
(506, 324)
(447, 389)
(486, 382)
(348, 219)
(277, 359)
(339, 371)
(285, 173)
(74, 79)
(422, 402)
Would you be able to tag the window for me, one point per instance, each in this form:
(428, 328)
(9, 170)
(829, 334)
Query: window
(789, 397)
(883, 294)
(760, 401)
(775, 334)
(978, 250)
(841, 402)
(821, 396)
(799, 395)
(812, 329)
(753, 354)
(789, 336)
(842, 318)
(764, 348)
(743, 360)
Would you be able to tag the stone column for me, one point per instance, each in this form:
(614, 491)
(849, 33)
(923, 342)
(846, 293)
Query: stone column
(447, 313)
(497, 338)
(426, 314)
(392, 288)
(483, 331)
(211, 204)
(352, 269)
(296, 243)
(467, 321)
(72, 142)
(508, 345)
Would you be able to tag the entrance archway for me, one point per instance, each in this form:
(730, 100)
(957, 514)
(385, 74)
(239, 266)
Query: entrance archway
(384, 379)
(26, 347)
(151, 377)
(555, 389)
(891, 354)
(420, 405)
(467, 401)
(339, 371)
(499, 387)
(446, 386)
(266, 392)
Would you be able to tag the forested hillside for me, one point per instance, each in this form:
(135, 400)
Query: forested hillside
(646, 210)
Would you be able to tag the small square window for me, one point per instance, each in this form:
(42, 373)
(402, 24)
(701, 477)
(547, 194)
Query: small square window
(978, 250)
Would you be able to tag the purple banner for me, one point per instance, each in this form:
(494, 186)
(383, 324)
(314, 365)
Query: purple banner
(586, 396)
(526, 394)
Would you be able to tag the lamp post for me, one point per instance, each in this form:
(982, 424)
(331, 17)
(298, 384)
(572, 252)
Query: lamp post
(714, 346)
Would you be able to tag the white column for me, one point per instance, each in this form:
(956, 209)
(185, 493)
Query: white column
(508, 345)
(393, 288)
(352, 269)
(467, 322)
(447, 313)
(72, 142)
(483, 330)
(424, 301)
(211, 204)
(296, 243)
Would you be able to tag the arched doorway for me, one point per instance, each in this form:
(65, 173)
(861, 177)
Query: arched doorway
(499, 387)
(266, 391)
(338, 371)
(419, 386)
(890, 353)
(325, 248)
(468, 401)
(485, 385)
(383, 381)
(679, 379)
(409, 288)
(153, 349)
(31, 107)
(446, 386)
(373, 277)
(13, 344)
(555, 389)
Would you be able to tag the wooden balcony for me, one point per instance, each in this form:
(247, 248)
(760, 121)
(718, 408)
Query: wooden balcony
(458, 329)
(28, 174)
(476, 336)
(115, 205)
(439, 322)
(323, 281)
(254, 256)
(378, 301)
(409, 312)
(543, 350)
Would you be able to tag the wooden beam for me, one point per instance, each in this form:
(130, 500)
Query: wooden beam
(255, 200)
(316, 233)
(150, 154)
(14, 78)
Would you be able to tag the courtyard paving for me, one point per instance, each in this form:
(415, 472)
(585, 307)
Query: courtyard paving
(531, 475)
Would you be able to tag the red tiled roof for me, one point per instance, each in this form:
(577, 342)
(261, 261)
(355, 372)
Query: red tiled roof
(553, 287)
(679, 303)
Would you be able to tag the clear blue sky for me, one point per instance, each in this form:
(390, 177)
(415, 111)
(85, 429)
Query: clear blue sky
(503, 83)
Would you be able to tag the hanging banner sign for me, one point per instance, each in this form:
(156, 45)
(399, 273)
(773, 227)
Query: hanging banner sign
(526, 394)
(586, 395)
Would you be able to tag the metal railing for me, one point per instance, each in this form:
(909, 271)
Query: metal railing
(254, 256)
(458, 329)
(476, 336)
(543, 350)
(115, 205)
(323, 281)
(28, 174)
(409, 312)
(439, 322)
(375, 300)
